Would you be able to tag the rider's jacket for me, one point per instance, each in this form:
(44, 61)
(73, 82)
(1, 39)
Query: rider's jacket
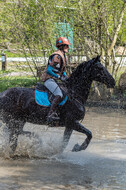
(56, 66)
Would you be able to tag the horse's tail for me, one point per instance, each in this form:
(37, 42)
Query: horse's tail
(1, 101)
(1, 105)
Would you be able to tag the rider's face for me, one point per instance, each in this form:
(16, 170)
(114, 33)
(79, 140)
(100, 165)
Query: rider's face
(66, 48)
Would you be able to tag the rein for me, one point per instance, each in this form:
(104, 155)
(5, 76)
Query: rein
(75, 97)
(72, 96)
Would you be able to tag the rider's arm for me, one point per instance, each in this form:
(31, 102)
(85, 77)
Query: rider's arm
(64, 74)
(54, 66)
(50, 72)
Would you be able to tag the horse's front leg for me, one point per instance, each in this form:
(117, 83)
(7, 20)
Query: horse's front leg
(80, 128)
(66, 137)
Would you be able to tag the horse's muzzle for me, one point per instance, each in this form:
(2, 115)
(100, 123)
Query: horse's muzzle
(111, 84)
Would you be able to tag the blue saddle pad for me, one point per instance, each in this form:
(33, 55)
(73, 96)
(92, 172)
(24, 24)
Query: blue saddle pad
(42, 99)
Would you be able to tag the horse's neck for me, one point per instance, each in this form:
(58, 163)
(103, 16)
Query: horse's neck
(80, 90)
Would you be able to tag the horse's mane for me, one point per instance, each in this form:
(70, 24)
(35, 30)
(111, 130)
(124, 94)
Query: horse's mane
(80, 79)
(81, 68)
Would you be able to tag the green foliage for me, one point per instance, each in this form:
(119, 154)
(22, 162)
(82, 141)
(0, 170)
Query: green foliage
(97, 20)
(31, 25)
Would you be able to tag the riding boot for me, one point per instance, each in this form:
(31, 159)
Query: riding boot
(52, 115)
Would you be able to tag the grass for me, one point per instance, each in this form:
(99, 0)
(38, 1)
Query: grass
(10, 54)
(20, 54)
(18, 67)
(9, 82)
(4, 72)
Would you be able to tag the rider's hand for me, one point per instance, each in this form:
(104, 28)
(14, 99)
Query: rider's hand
(63, 78)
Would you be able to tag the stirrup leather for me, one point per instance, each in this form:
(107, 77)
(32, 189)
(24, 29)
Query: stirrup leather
(53, 117)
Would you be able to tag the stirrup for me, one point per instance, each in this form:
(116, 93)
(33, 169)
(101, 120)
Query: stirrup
(53, 117)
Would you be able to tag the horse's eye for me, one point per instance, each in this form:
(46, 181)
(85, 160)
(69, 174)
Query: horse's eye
(99, 66)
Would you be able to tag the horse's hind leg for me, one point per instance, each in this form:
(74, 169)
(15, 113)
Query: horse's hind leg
(15, 127)
(13, 138)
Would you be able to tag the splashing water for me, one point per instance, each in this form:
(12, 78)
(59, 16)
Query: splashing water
(43, 143)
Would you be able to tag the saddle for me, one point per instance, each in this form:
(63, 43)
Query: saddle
(44, 97)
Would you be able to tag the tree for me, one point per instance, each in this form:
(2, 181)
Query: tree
(97, 27)
(30, 27)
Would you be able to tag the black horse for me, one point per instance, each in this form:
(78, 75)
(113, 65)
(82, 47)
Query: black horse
(18, 105)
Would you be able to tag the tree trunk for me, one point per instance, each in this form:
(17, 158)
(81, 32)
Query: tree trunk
(117, 29)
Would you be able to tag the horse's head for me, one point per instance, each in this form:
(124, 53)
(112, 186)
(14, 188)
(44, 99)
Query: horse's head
(100, 73)
(88, 71)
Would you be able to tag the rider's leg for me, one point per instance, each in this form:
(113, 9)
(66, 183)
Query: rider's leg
(52, 115)
(54, 88)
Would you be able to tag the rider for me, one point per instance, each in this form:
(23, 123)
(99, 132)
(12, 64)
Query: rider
(56, 70)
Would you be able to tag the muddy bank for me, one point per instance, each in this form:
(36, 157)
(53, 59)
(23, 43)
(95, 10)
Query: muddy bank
(115, 104)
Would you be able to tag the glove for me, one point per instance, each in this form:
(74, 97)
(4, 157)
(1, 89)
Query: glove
(63, 79)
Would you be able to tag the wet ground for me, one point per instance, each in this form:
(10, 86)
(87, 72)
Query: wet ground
(40, 164)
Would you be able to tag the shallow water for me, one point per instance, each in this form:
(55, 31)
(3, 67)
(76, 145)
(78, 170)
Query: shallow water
(40, 164)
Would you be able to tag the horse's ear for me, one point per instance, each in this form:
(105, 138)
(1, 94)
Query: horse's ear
(98, 58)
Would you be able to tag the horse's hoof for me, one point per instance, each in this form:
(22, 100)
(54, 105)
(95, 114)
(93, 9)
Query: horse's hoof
(76, 148)
(9, 153)
(30, 135)
(84, 146)
(52, 119)
(34, 135)
(26, 133)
